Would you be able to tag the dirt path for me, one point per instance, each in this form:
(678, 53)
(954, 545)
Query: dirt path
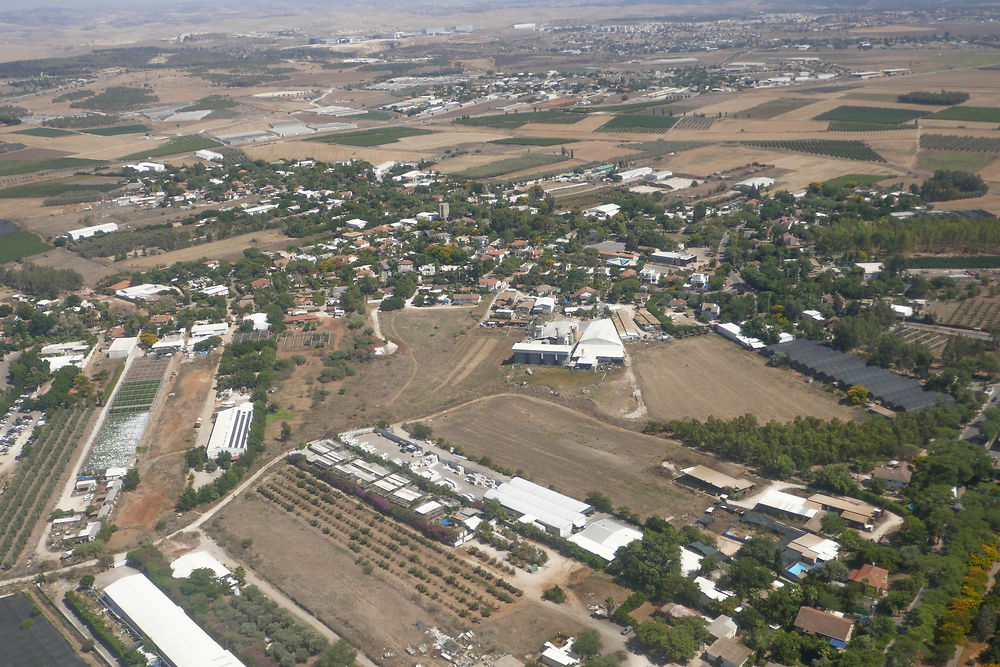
(640, 410)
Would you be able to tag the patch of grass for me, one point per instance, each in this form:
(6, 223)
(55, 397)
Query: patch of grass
(953, 142)
(533, 141)
(639, 124)
(183, 144)
(510, 165)
(512, 120)
(114, 381)
(44, 132)
(848, 150)
(857, 180)
(972, 114)
(282, 414)
(772, 108)
(963, 161)
(863, 126)
(373, 137)
(11, 167)
(117, 129)
(20, 244)
(883, 115)
(54, 187)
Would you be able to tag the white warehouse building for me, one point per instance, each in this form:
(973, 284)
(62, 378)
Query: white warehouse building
(552, 511)
(179, 640)
(87, 232)
(230, 431)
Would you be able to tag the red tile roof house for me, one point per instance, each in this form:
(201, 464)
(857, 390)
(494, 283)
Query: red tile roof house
(873, 576)
(585, 293)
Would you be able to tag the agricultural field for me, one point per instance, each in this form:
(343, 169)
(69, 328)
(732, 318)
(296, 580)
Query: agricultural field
(572, 451)
(116, 130)
(853, 180)
(681, 379)
(373, 137)
(933, 341)
(773, 108)
(44, 132)
(848, 150)
(882, 115)
(963, 161)
(863, 126)
(13, 167)
(510, 121)
(976, 313)
(695, 123)
(533, 141)
(638, 124)
(972, 114)
(28, 491)
(181, 144)
(952, 142)
(511, 165)
(20, 244)
(55, 187)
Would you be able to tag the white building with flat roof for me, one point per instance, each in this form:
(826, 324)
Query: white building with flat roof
(553, 511)
(230, 431)
(179, 640)
(87, 232)
(605, 536)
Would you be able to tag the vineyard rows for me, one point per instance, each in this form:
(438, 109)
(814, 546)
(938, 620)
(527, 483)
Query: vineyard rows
(638, 124)
(695, 123)
(848, 150)
(433, 570)
(28, 493)
(951, 142)
(975, 313)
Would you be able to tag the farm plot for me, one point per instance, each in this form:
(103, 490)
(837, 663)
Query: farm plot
(773, 108)
(13, 167)
(570, 450)
(20, 244)
(952, 142)
(638, 124)
(416, 562)
(695, 123)
(184, 144)
(373, 137)
(881, 115)
(935, 342)
(57, 187)
(977, 313)
(116, 130)
(44, 132)
(708, 376)
(28, 492)
(848, 150)
(533, 141)
(510, 121)
(863, 126)
(510, 165)
(972, 114)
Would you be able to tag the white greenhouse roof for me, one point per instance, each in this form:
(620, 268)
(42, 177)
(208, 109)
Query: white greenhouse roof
(604, 537)
(179, 639)
(197, 560)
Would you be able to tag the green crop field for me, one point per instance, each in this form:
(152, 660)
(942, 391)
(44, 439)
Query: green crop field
(373, 137)
(954, 160)
(56, 187)
(116, 130)
(11, 167)
(883, 115)
(636, 124)
(661, 147)
(533, 141)
(44, 132)
(973, 114)
(512, 120)
(853, 180)
(863, 126)
(772, 108)
(20, 244)
(510, 165)
(849, 150)
(184, 144)
(952, 142)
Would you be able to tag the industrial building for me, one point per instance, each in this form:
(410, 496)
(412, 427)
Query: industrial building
(713, 481)
(549, 510)
(87, 232)
(604, 537)
(179, 640)
(586, 345)
(122, 347)
(230, 431)
(143, 291)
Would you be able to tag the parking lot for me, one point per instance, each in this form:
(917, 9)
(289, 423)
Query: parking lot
(16, 431)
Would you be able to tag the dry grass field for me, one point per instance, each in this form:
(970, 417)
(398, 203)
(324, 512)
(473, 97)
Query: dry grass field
(573, 452)
(710, 376)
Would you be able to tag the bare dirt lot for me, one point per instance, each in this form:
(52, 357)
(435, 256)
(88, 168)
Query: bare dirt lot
(571, 451)
(709, 376)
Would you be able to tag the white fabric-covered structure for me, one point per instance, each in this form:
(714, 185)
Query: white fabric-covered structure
(553, 511)
(604, 537)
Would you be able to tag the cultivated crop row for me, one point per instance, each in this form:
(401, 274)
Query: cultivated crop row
(28, 493)
(848, 150)
(883, 115)
(976, 313)
(435, 571)
(952, 142)
(863, 126)
(638, 124)
(512, 120)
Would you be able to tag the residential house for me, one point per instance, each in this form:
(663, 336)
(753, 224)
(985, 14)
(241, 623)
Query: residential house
(836, 628)
(728, 653)
(872, 576)
(895, 475)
